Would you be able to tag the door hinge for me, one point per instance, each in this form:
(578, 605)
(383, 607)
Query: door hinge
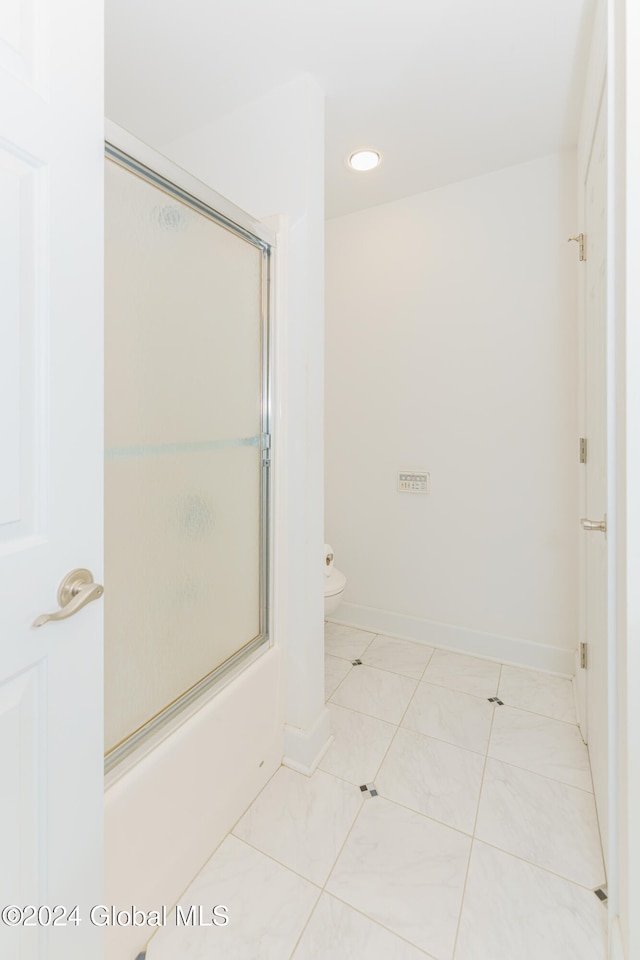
(266, 449)
(580, 240)
(583, 449)
(583, 656)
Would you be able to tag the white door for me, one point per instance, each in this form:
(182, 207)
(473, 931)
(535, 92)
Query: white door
(51, 162)
(595, 486)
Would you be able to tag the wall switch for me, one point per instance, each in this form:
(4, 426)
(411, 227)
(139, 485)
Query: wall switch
(413, 481)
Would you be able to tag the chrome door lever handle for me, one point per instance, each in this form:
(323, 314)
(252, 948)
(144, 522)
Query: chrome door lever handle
(75, 592)
(600, 525)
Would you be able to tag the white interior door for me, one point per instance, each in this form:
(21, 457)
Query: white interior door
(51, 161)
(595, 487)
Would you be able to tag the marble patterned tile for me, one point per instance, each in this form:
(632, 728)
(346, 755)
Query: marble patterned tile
(538, 692)
(406, 872)
(301, 821)
(515, 911)
(335, 670)
(360, 742)
(546, 822)
(458, 718)
(346, 642)
(460, 672)
(550, 747)
(398, 656)
(336, 932)
(268, 907)
(377, 693)
(432, 777)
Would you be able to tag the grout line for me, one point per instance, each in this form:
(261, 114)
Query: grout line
(273, 859)
(394, 673)
(545, 776)
(497, 693)
(338, 656)
(448, 743)
(543, 716)
(344, 842)
(340, 682)
(378, 923)
(361, 713)
(593, 790)
(419, 813)
(246, 810)
(475, 824)
(398, 725)
(537, 866)
(305, 925)
(372, 666)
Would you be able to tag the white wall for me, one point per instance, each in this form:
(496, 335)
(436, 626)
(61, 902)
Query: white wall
(268, 159)
(452, 347)
(190, 790)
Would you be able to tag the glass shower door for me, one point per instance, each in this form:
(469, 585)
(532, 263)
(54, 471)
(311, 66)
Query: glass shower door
(186, 477)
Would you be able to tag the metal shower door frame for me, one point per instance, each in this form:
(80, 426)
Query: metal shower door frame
(141, 160)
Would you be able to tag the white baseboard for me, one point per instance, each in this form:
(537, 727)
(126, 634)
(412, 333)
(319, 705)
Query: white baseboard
(489, 646)
(304, 749)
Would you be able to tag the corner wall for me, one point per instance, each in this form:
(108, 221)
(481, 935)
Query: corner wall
(267, 158)
(452, 348)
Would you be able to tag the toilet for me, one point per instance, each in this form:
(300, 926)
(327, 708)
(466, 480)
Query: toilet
(334, 583)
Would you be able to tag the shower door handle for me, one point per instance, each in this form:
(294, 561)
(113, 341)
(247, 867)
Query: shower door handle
(75, 592)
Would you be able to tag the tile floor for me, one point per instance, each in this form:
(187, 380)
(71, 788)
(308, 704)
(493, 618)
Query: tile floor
(452, 818)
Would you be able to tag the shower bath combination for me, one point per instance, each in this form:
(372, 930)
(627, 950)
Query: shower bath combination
(186, 430)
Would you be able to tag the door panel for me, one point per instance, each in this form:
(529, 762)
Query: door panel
(23, 197)
(23, 752)
(51, 791)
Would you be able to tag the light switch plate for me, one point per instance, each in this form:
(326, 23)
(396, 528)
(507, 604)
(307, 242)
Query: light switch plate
(413, 481)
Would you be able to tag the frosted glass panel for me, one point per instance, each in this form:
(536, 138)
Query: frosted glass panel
(183, 303)
(184, 484)
(181, 546)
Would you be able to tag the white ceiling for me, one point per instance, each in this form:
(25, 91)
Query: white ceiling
(445, 89)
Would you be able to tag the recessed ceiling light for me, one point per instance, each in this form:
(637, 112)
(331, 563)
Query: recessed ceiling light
(364, 160)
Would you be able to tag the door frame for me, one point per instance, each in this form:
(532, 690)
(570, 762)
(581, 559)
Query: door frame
(623, 39)
(616, 38)
(593, 107)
